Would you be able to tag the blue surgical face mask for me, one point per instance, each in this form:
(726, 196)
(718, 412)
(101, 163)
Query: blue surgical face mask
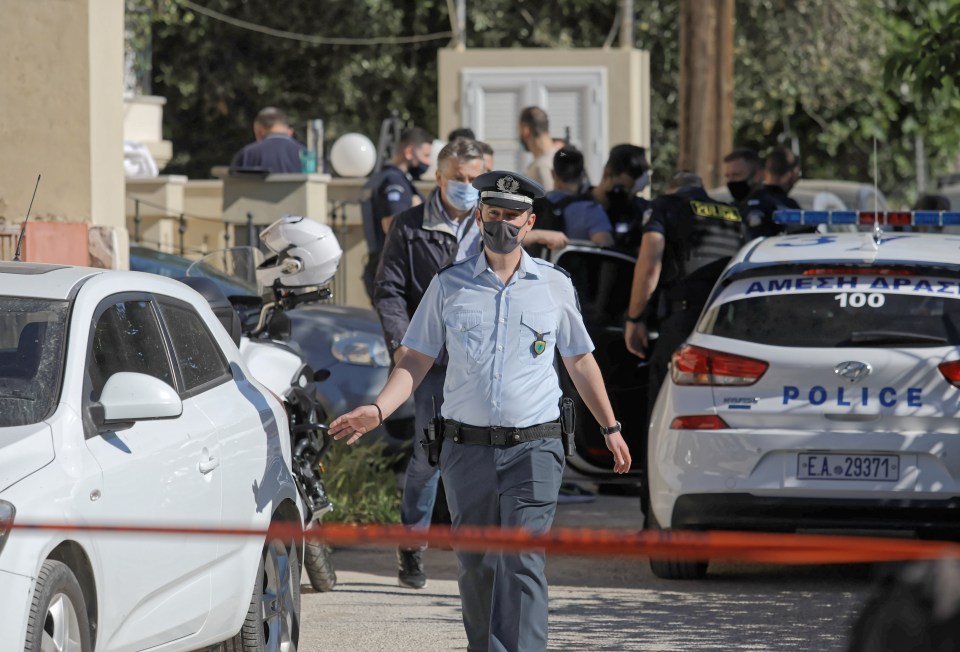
(462, 196)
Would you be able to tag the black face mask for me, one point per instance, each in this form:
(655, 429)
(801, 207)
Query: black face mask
(499, 237)
(619, 207)
(418, 170)
(523, 144)
(738, 189)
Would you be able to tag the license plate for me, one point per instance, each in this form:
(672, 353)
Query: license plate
(843, 466)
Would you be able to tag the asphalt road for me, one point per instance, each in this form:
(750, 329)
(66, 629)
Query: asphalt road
(595, 604)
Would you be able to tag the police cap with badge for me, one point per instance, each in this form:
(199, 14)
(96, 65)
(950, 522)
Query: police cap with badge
(507, 190)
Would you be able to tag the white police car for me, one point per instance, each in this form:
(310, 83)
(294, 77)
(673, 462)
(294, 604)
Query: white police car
(819, 389)
(123, 401)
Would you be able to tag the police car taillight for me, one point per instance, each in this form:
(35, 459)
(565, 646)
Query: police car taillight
(951, 371)
(699, 422)
(694, 365)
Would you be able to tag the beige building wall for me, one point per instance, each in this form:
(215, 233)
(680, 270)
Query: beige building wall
(61, 97)
(628, 83)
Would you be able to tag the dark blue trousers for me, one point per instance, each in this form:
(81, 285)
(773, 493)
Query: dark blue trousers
(504, 596)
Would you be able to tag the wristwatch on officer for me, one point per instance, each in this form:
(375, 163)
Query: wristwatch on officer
(609, 430)
(639, 318)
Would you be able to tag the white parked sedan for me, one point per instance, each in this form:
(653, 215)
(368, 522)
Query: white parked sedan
(819, 390)
(124, 401)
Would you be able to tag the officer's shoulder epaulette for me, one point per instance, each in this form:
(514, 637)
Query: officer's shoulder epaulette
(453, 264)
(541, 261)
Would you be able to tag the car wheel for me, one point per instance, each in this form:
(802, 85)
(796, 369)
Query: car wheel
(674, 569)
(273, 619)
(58, 614)
(319, 567)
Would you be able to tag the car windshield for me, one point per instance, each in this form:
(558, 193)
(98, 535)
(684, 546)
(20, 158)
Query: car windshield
(232, 283)
(32, 336)
(918, 313)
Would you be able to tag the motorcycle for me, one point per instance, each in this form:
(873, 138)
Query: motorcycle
(275, 360)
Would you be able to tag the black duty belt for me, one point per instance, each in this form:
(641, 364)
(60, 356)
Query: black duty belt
(498, 436)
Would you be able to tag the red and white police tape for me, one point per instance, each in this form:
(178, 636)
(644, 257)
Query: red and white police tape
(687, 545)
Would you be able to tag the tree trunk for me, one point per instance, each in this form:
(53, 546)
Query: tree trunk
(706, 87)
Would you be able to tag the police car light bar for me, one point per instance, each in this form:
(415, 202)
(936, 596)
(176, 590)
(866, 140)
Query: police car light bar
(892, 218)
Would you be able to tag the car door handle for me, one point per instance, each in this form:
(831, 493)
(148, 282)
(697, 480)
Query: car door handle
(208, 465)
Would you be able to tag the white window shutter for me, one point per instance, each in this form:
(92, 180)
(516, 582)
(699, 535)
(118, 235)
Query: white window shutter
(572, 97)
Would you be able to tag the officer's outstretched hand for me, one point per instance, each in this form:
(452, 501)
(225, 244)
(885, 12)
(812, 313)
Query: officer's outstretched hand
(621, 454)
(635, 336)
(355, 424)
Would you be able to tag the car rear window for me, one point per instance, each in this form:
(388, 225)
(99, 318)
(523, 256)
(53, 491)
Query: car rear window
(861, 312)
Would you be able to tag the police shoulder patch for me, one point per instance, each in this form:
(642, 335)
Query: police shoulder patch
(453, 264)
(545, 263)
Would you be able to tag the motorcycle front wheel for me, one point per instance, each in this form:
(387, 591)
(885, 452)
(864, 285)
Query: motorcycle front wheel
(319, 567)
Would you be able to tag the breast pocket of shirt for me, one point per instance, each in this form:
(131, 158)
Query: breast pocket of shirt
(466, 332)
(538, 336)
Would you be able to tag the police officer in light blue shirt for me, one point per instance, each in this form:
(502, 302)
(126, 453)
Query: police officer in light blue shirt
(502, 316)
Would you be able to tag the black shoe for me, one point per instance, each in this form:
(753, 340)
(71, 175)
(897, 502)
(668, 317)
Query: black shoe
(410, 569)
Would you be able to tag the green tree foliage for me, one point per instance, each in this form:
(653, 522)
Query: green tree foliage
(814, 70)
(809, 70)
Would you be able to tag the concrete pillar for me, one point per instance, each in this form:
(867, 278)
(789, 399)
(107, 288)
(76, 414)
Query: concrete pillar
(61, 89)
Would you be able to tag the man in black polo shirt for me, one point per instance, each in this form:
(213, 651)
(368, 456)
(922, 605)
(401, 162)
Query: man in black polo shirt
(274, 150)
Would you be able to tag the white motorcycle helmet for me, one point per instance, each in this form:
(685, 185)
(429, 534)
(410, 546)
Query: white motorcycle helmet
(306, 253)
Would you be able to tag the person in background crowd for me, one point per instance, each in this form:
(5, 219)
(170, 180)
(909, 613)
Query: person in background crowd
(580, 217)
(421, 241)
(780, 173)
(461, 132)
(534, 133)
(391, 191)
(743, 172)
(467, 132)
(274, 149)
(625, 175)
(932, 203)
(687, 241)
(487, 155)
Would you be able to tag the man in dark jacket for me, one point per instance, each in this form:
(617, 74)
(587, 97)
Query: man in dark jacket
(421, 240)
(274, 149)
(780, 173)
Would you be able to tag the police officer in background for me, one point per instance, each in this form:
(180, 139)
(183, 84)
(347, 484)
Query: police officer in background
(780, 173)
(502, 316)
(743, 173)
(391, 191)
(687, 241)
(625, 175)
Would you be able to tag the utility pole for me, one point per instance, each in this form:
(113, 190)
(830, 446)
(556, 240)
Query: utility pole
(626, 24)
(706, 87)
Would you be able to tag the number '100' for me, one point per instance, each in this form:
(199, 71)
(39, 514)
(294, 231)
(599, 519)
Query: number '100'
(859, 299)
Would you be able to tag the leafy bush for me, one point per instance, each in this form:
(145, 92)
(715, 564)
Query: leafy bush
(361, 483)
